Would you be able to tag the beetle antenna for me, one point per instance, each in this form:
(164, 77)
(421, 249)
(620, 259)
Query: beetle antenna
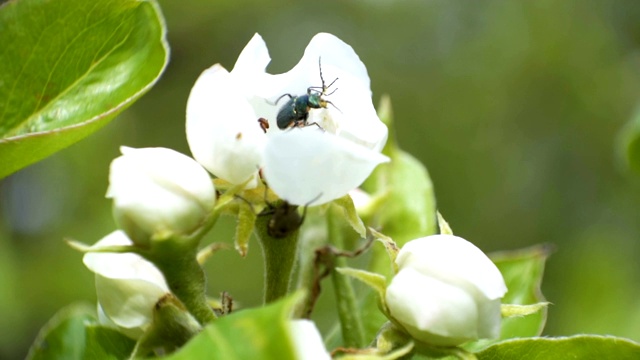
(321, 78)
(329, 102)
(334, 90)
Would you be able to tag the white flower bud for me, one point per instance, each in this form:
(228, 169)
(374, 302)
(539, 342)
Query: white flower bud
(446, 291)
(158, 191)
(127, 285)
(307, 341)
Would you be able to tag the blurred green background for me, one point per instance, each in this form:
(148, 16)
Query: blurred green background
(514, 107)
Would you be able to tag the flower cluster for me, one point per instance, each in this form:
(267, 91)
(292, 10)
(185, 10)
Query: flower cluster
(314, 147)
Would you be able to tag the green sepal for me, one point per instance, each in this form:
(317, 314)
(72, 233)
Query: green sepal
(84, 248)
(206, 252)
(443, 225)
(69, 67)
(244, 227)
(229, 195)
(513, 310)
(346, 203)
(389, 245)
(375, 281)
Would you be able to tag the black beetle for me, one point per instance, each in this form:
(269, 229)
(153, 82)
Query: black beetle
(296, 111)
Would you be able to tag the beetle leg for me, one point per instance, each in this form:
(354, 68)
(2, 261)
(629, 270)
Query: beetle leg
(283, 95)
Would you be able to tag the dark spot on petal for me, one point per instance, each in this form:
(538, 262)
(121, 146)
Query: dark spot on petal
(239, 136)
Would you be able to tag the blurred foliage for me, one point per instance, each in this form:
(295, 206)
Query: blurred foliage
(513, 106)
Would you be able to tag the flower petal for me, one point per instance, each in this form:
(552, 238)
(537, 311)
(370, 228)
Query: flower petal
(128, 303)
(431, 310)
(222, 128)
(122, 265)
(309, 166)
(453, 260)
(307, 341)
(253, 59)
(337, 58)
(127, 285)
(352, 114)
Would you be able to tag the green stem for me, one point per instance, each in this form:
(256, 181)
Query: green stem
(279, 259)
(185, 277)
(312, 239)
(348, 308)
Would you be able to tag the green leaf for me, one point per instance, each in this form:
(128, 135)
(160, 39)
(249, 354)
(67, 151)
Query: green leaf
(106, 343)
(575, 347)
(73, 334)
(522, 271)
(261, 333)
(69, 67)
(244, 228)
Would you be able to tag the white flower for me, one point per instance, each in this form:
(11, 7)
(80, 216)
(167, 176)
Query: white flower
(158, 191)
(128, 286)
(319, 163)
(307, 341)
(446, 291)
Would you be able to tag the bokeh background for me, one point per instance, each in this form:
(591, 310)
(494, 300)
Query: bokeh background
(514, 106)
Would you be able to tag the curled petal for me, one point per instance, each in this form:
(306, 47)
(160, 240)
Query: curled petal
(222, 128)
(309, 166)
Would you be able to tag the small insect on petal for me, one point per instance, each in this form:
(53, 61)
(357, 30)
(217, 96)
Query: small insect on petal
(295, 112)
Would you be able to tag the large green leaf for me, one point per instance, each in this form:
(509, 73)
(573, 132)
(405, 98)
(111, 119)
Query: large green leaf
(69, 67)
(73, 333)
(584, 347)
(255, 334)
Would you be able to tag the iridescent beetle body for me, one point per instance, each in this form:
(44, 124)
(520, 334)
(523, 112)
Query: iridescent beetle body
(295, 112)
